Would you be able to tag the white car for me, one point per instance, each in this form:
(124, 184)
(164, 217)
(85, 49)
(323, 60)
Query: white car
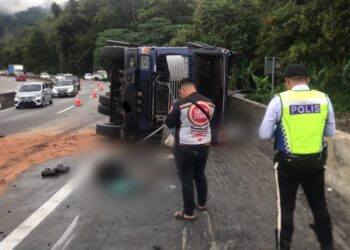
(101, 75)
(44, 76)
(33, 94)
(59, 77)
(88, 76)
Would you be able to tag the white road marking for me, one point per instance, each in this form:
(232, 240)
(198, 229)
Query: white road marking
(67, 236)
(23, 230)
(7, 109)
(184, 238)
(69, 108)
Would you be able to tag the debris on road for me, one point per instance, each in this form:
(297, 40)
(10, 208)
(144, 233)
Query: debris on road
(49, 172)
(53, 172)
(21, 151)
(62, 169)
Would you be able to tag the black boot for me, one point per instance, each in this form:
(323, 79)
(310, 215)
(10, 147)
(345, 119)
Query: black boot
(283, 240)
(324, 236)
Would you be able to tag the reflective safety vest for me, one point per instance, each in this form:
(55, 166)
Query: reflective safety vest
(303, 120)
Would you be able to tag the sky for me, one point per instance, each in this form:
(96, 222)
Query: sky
(11, 6)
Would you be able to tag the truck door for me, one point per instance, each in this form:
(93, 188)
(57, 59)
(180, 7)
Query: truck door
(210, 72)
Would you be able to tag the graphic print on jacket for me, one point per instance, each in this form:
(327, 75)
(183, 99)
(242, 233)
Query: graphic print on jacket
(195, 126)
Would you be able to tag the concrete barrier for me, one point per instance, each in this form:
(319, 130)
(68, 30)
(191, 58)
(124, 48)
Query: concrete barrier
(7, 100)
(338, 163)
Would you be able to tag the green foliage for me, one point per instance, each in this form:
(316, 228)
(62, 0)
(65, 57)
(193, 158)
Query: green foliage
(230, 24)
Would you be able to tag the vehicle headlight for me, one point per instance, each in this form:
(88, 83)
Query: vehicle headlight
(37, 96)
(70, 90)
(16, 98)
(54, 90)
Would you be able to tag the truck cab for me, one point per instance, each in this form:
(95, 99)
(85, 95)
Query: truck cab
(145, 83)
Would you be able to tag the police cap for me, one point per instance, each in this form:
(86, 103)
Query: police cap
(295, 70)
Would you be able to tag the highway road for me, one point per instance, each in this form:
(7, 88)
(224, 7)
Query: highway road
(61, 115)
(71, 212)
(62, 214)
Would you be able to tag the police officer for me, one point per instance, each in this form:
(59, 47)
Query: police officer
(190, 116)
(299, 118)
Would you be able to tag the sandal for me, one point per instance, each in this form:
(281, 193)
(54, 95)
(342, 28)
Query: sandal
(200, 208)
(180, 215)
(49, 172)
(62, 169)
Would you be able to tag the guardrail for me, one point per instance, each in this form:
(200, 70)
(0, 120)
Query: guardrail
(338, 163)
(7, 100)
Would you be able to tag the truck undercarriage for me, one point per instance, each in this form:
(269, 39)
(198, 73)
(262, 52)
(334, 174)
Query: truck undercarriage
(145, 83)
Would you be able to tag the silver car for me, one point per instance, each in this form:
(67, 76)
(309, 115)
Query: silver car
(33, 94)
(65, 88)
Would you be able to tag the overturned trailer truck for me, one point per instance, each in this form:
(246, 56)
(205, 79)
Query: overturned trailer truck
(145, 82)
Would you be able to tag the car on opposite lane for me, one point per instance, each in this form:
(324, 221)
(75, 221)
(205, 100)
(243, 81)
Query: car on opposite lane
(21, 77)
(59, 77)
(44, 75)
(33, 94)
(89, 76)
(65, 88)
(29, 75)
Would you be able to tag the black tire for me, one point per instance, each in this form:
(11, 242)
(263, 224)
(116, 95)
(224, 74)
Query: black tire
(51, 102)
(112, 53)
(108, 130)
(104, 100)
(104, 110)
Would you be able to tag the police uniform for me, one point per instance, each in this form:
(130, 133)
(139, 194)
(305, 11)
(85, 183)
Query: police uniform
(191, 150)
(299, 119)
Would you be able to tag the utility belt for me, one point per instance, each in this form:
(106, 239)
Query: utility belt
(321, 156)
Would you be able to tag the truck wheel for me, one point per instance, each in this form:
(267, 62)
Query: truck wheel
(108, 130)
(112, 53)
(105, 100)
(104, 110)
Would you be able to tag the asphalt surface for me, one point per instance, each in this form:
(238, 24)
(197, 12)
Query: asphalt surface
(241, 211)
(59, 115)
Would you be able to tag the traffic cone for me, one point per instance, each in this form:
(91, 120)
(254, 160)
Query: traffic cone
(94, 94)
(101, 87)
(77, 102)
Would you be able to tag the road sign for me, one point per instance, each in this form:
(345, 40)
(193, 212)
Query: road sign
(272, 67)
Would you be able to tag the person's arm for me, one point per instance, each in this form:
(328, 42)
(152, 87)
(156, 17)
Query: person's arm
(173, 118)
(272, 115)
(330, 125)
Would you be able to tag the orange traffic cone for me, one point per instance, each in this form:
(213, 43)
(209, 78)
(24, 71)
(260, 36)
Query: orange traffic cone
(94, 94)
(77, 102)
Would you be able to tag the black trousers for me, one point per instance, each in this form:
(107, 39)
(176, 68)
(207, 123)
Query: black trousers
(308, 172)
(190, 163)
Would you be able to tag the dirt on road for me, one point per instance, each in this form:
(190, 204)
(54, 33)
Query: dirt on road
(21, 151)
